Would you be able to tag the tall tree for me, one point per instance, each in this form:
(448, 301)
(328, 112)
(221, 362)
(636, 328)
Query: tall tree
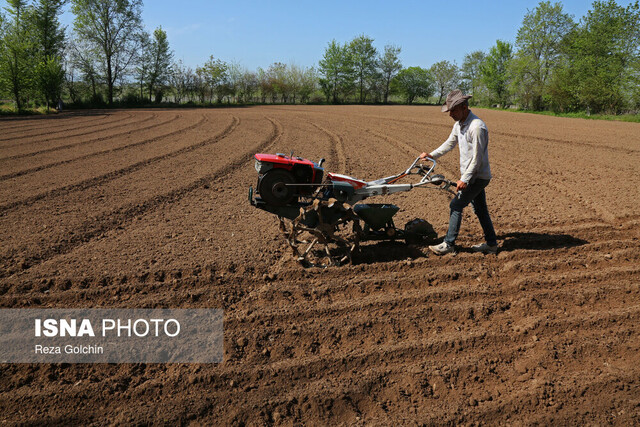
(414, 82)
(248, 86)
(635, 84)
(279, 76)
(294, 77)
(50, 44)
(143, 63)
(309, 83)
(85, 60)
(337, 71)
(376, 88)
(3, 51)
(601, 54)
(49, 32)
(390, 65)
(18, 53)
(184, 82)
(232, 84)
(446, 76)
(201, 87)
(264, 84)
(496, 72)
(111, 28)
(160, 65)
(539, 42)
(470, 70)
(216, 74)
(364, 56)
(50, 78)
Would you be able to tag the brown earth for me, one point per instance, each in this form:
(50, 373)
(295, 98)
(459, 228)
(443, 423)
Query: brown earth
(149, 209)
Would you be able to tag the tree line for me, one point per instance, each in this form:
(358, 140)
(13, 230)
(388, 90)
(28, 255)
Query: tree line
(555, 63)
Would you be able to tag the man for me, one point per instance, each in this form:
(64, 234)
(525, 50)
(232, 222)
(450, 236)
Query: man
(472, 137)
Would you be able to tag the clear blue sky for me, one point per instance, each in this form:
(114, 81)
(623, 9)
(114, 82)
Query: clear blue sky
(258, 33)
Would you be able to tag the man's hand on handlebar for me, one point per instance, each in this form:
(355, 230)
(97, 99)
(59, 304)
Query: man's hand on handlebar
(461, 185)
(425, 156)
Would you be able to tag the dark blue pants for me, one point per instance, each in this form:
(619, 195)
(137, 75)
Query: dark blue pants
(474, 194)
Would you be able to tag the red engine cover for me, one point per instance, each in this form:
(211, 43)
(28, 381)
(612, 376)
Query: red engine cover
(286, 161)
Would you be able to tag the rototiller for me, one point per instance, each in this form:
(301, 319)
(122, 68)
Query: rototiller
(321, 218)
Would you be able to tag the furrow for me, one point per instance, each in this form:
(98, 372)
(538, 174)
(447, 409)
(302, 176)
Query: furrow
(536, 137)
(123, 215)
(536, 178)
(407, 148)
(338, 148)
(66, 121)
(438, 346)
(117, 120)
(98, 180)
(451, 303)
(84, 142)
(109, 150)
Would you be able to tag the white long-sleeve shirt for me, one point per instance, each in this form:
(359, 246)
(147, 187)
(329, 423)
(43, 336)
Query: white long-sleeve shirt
(472, 138)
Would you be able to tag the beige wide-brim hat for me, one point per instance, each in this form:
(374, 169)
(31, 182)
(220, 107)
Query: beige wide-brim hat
(454, 98)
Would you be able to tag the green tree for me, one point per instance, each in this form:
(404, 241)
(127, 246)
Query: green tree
(201, 87)
(495, 71)
(18, 53)
(216, 74)
(85, 60)
(295, 77)
(470, 70)
(414, 82)
(390, 65)
(364, 57)
(600, 57)
(337, 72)
(563, 89)
(308, 84)
(265, 85)
(446, 76)
(111, 29)
(248, 86)
(50, 44)
(49, 33)
(279, 75)
(160, 64)
(3, 52)
(181, 81)
(232, 84)
(376, 86)
(635, 84)
(539, 42)
(50, 78)
(143, 62)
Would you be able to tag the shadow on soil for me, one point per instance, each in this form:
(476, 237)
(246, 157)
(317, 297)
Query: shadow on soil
(386, 251)
(538, 241)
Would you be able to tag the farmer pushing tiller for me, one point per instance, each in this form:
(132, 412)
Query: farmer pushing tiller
(321, 219)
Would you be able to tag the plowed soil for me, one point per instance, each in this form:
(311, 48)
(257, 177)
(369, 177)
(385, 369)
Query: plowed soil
(149, 209)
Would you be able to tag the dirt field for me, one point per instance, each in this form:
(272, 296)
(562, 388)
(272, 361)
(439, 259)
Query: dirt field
(148, 208)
